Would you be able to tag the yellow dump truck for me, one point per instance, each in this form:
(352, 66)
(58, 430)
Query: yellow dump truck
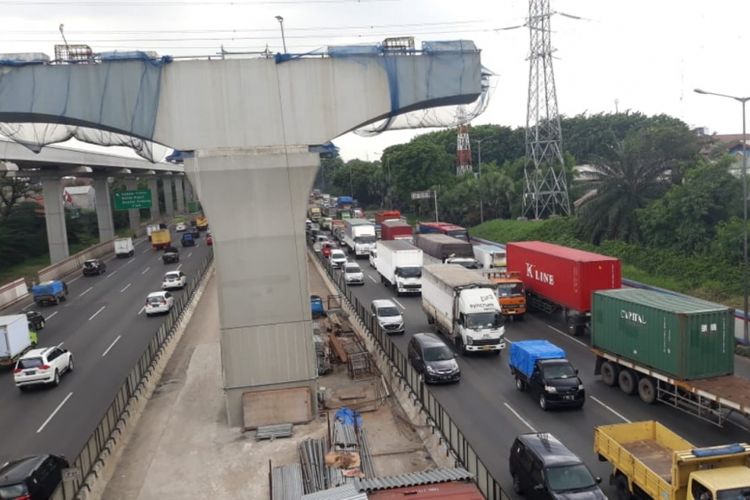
(201, 223)
(161, 239)
(650, 461)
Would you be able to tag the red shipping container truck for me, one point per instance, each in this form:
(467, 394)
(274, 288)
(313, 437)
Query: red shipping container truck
(558, 277)
(384, 215)
(396, 230)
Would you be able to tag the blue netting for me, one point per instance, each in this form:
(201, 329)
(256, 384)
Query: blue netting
(449, 46)
(135, 55)
(355, 50)
(23, 59)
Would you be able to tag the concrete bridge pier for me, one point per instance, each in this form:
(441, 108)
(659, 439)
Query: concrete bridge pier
(134, 215)
(168, 196)
(104, 209)
(54, 218)
(153, 186)
(261, 265)
(180, 194)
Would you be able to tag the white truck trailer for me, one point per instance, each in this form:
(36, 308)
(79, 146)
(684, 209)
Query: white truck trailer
(462, 305)
(359, 236)
(491, 257)
(14, 338)
(399, 264)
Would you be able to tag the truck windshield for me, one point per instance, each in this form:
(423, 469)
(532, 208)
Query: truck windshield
(734, 494)
(365, 239)
(558, 370)
(438, 353)
(476, 321)
(569, 478)
(509, 289)
(409, 272)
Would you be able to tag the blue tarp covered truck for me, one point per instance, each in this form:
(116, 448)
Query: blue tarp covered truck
(49, 292)
(540, 368)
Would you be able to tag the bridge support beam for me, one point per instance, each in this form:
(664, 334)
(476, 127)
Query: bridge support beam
(153, 186)
(180, 194)
(134, 214)
(264, 300)
(103, 209)
(168, 196)
(54, 217)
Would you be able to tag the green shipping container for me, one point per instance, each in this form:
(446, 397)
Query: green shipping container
(681, 337)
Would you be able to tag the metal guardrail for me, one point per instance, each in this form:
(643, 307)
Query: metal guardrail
(440, 418)
(103, 437)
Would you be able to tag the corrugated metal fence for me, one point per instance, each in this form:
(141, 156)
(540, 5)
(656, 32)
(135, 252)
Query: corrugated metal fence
(440, 418)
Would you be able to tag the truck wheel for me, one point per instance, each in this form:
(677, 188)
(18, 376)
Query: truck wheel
(520, 385)
(628, 381)
(647, 390)
(517, 484)
(543, 402)
(609, 374)
(460, 346)
(430, 320)
(621, 485)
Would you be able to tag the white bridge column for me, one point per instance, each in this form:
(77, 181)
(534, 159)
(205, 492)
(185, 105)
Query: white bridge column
(256, 203)
(134, 214)
(153, 186)
(168, 196)
(54, 217)
(180, 194)
(103, 209)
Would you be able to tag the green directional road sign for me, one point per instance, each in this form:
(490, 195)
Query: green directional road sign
(126, 200)
(194, 207)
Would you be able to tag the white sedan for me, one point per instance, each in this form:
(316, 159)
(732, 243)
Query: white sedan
(181, 227)
(158, 302)
(174, 279)
(337, 258)
(353, 274)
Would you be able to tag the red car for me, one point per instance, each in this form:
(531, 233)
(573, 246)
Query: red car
(326, 249)
(210, 240)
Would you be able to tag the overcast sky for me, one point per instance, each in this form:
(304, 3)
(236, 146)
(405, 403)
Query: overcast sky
(641, 55)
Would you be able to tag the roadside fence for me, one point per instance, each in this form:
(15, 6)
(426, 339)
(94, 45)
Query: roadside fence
(440, 419)
(109, 429)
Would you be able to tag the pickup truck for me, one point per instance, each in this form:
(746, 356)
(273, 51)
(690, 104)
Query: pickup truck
(540, 368)
(49, 292)
(650, 461)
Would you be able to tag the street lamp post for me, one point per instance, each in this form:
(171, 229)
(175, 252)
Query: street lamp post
(281, 23)
(479, 174)
(743, 101)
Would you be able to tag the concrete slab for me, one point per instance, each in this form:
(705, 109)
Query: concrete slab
(276, 407)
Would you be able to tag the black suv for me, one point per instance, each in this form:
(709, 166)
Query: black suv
(431, 357)
(543, 468)
(31, 478)
(36, 321)
(94, 267)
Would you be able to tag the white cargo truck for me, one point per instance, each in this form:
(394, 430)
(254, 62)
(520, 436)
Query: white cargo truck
(124, 247)
(491, 257)
(359, 236)
(14, 338)
(462, 305)
(399, 264)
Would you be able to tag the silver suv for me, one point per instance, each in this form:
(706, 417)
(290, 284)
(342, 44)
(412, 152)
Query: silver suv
(388, 316)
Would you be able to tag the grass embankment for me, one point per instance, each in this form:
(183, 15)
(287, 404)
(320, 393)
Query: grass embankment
(698, 276)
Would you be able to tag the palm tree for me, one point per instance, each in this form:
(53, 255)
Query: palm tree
(618, 186)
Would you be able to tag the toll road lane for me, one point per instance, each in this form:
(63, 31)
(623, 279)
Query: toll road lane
(88, 326)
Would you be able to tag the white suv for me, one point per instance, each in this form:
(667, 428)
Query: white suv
(337, 258)
(353, 274)
(174, 279)
(388, 316)
(158, 302)
(42, 366)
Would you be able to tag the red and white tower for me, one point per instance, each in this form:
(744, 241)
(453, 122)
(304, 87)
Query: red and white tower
(463, 150)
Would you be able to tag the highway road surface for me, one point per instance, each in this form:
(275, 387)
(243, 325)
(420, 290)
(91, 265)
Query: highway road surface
(490, 411)
(102, 323)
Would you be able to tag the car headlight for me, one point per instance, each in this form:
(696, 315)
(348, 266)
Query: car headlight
(550, 389)
(430, 369)
(580, 387)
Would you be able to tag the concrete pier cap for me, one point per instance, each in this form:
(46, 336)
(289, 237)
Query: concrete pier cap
(248, 126)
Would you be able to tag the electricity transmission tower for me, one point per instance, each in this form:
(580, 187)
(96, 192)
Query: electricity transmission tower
(545, 188)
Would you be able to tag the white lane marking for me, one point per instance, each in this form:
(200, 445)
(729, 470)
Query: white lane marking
(399, 304)
(111, 345)
(373, 279)
(111, 274)
(86, 291)
(146, 270)
(178, 267)
(74, 280)
(97, 312)
(197, 245)
(131, 260)
(126, 287)
(619, 415)
(145, 250)
(519, 417)
(584, 344)
(50, 316)
(191, 253)
(41, 428)
(142, 308)
(26, 307)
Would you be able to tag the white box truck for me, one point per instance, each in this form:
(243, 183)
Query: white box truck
(124, 247)
(462, 305)
(399, 264)
(14, 338)
(359, 236)
(491, 257)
